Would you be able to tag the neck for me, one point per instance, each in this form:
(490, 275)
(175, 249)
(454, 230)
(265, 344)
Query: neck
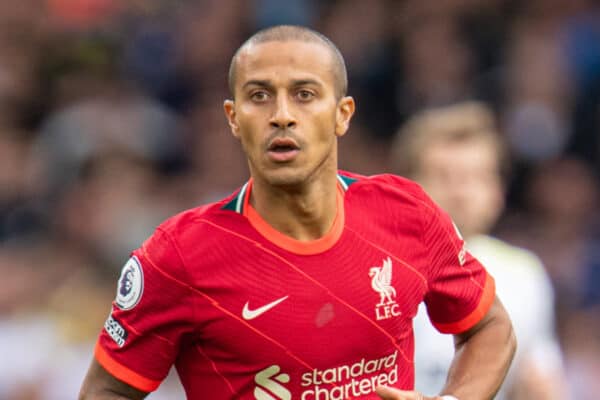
(304, 212)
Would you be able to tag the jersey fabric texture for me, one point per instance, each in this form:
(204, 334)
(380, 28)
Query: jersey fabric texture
(526, 292)
(245, 312)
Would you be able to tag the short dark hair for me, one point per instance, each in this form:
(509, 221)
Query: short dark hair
(284, 33)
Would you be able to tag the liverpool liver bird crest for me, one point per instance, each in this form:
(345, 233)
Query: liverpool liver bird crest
(381, 282)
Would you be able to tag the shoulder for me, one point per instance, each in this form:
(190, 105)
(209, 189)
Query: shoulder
(192, 230)
(196, 219)
(386, 186)
(186, 219)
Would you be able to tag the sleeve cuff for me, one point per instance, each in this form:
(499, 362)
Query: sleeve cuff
(485, 302)
(123, 373)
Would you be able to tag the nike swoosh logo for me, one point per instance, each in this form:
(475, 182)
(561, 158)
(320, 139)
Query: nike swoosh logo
(249, 314)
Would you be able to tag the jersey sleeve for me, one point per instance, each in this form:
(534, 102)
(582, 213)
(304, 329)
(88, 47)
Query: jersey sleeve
(460, 291)
(150, 316)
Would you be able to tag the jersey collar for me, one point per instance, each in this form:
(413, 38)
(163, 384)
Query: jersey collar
(241, 204)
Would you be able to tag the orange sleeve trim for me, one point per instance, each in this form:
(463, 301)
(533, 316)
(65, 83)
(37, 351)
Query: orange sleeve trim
(123, 373)
(486, 301)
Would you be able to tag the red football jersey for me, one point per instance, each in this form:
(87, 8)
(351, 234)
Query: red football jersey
(245, 312)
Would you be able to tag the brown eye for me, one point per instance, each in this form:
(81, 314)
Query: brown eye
(260, 96)
(305, 95)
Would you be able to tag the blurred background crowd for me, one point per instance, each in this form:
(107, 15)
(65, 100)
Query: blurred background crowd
(111, 120)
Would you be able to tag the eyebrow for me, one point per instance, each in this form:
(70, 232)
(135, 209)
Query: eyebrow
(258, 82)
(269, 85)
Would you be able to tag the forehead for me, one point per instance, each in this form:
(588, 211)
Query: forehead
(283, 60)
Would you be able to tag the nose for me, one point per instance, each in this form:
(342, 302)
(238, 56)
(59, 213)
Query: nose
(282, 117)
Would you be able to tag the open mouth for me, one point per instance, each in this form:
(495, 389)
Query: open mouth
(282, 145)
(283, 149)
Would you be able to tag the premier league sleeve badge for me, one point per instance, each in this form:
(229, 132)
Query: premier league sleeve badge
(131, 284)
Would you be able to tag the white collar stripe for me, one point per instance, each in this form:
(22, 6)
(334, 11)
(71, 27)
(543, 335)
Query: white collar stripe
(240, 199)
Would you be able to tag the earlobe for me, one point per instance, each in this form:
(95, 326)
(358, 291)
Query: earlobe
(229, 108)
(345, 111)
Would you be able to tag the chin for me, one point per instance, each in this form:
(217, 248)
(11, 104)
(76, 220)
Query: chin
(285, 178)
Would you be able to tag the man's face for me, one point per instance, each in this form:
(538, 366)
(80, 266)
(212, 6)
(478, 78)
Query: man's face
(464, 179)
(285, 112)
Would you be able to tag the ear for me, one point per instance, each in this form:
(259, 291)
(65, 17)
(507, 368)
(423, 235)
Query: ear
(345, 111)
(229, 108)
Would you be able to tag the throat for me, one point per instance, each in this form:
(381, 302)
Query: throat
(307, 229)
(303, 217)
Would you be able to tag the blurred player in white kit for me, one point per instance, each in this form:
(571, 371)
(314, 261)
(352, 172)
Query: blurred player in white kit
(456, 154)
